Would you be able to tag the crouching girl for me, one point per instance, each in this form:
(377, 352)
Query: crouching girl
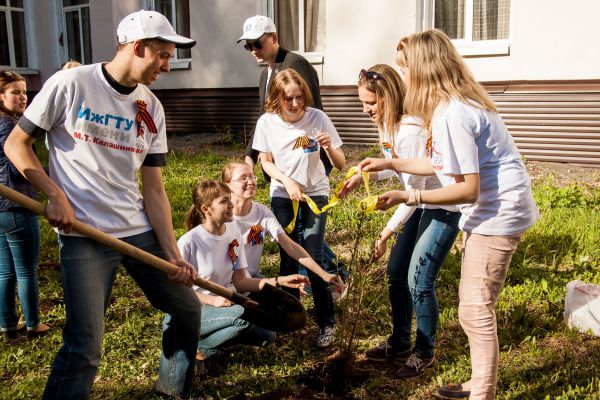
(214, 245)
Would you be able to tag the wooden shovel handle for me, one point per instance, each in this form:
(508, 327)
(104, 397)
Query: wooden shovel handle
(126, 248)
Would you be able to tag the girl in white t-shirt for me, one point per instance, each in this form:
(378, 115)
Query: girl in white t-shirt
(288, 137)
(256, 221)
(424, 234)
(213, 245)
(480, 168)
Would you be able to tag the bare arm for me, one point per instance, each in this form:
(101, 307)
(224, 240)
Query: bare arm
(464, 191)
(298, 253)
(158, 210)
(19, 150)
(415, 166)
(243, 282)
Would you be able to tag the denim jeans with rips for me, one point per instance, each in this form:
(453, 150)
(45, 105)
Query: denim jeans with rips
(413, 266)
(88, 271)
(19, 254)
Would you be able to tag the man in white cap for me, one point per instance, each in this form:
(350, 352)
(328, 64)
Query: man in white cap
(262, 42)
(104, 125)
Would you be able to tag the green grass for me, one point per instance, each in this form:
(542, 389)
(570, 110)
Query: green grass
(540, 357)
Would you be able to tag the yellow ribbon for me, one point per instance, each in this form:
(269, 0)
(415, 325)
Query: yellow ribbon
(366, 205)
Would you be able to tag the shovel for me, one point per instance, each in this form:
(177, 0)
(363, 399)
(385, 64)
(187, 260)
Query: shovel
(271, 309)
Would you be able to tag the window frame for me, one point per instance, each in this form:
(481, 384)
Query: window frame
(29, 33)
(65, 46)
(175, 62)
(267, 7)
(467, 46)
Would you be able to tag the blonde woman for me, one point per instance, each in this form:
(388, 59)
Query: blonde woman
(480, 168)
(289, 137)
(424, 234)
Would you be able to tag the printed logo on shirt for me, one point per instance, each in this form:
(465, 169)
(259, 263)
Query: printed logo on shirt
(232, 254)
(387, 148)
(307, 144)
(437, 158)
(255, 236)
(107, 130)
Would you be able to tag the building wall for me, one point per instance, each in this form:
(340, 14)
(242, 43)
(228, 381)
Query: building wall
(550, 40)
(217, 60)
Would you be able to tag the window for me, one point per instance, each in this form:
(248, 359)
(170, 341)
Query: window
(13, 34)
(76, 38)
(300, 24)
(178, 14)
(477, 27)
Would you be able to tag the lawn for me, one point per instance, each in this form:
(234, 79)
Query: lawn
(540, 357)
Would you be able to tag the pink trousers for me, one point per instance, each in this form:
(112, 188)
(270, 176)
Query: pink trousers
(484, 266)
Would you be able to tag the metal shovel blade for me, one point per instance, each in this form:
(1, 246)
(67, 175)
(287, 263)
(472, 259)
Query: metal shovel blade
(277, 311)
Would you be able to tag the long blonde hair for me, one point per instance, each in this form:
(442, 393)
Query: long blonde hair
(390, 92)
(203, 195)
(437, 73)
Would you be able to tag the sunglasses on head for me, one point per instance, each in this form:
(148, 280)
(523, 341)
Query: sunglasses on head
(368, 76)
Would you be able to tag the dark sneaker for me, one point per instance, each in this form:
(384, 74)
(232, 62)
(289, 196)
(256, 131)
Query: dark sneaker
(414, 366)
(325, 337)
(385, 352)
(452, 391)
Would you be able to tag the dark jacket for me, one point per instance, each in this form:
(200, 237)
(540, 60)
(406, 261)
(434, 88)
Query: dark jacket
(9, 174)
(283, 60)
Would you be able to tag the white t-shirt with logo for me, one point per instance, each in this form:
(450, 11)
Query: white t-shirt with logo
(468, 139)
(214, 257)
(95, 147)
(410, 141)
(295, 150)
(254, 227)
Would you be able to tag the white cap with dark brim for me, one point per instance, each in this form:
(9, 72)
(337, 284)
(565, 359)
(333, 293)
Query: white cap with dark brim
(150, 25)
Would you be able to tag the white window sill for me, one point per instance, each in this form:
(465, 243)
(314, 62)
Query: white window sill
(183, 63)
(482, 47)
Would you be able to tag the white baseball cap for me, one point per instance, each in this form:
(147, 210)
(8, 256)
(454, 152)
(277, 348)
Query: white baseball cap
(150, 25)
(256, 26)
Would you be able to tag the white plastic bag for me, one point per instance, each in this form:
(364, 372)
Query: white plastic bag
(582, 307)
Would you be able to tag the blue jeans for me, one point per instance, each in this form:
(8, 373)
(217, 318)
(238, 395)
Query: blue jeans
(19, 254)
(313, 234)
(413, 267)
(88, 271)
(224, 325)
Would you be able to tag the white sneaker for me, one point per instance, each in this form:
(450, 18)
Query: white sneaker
(326, 336)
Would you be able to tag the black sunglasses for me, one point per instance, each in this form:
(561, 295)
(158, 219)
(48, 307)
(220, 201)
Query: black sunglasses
(368, 76)
(257, 44)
